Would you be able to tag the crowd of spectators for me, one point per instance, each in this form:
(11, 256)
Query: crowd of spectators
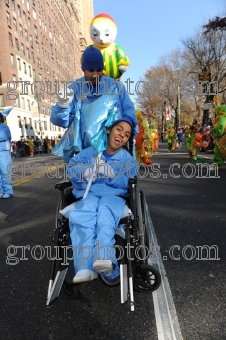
(30, 146)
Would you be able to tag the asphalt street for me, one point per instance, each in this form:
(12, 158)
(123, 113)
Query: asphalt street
(187, 209)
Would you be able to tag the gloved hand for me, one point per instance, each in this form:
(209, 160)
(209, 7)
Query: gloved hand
(64, 99)
(122, 68)
(105, 169)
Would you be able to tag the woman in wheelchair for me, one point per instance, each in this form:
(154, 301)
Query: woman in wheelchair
(94, 219)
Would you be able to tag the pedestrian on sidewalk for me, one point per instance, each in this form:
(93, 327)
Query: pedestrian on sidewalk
(6, 190)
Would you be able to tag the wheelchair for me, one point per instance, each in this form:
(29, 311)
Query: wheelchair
(135, 272)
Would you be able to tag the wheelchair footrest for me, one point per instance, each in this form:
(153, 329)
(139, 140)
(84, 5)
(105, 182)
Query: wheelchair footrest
(56, 286)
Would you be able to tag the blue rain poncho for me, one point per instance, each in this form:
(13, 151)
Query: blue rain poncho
(89, 114)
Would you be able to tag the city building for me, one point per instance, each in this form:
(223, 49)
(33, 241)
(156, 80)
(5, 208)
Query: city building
(41, 43)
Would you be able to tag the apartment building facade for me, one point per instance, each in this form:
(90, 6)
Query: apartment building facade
(41, 43)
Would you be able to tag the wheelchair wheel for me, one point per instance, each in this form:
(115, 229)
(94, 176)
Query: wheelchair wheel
(140, 217)
(108, 282)
(59, 217)
(146, 226)
(146, 279)
(70, 290)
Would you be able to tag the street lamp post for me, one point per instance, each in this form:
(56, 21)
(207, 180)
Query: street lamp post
(178, 103)
(163, 116)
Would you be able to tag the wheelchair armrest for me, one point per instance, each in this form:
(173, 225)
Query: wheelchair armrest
(63, 185)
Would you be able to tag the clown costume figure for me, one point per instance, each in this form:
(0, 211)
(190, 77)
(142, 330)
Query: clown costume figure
(94, 219)
(144, 144)
(187, 134)
(103, 31)
(219, 133)
(154, 137)
(171, 138)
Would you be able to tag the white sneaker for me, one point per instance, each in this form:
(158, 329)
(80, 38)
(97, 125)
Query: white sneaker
(103, 266)
(84, 275)
(6, 196)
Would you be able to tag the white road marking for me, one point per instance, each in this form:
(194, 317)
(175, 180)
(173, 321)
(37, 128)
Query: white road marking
(165, 312)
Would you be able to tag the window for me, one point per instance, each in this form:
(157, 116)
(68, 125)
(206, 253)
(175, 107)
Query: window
(13, 5)
(7, 2)
(26, 35)
(28, 52)
(14, 77)
(10, 39)
(37, 46)
(29, 109)
(14, 24)
(35, 124)
(51, 48)
(18, 11)
(39, 77)
(24, 16)
(45, 123)
(12, 60)
(21, 30)
(34, 13)
(49, 21)
(25, 68)
(31, 41)
(29, 71)
(19, 121)
(19, 64)
(23, 107)
(34, 74)
(8, 19)
(2, 103)
(17, 44)
(52, 61)
(28, 5)
(32, 57)
(22, 49)
(36, 31)
(43, 110)
(29, 22)
(50, 35)
(39, 62)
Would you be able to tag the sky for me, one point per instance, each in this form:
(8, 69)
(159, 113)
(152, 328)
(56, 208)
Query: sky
(151, 29)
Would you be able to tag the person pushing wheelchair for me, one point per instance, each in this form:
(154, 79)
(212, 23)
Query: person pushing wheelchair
(85, 105)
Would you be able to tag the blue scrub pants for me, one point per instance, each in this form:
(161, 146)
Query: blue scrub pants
(92, 225)
(5, 176)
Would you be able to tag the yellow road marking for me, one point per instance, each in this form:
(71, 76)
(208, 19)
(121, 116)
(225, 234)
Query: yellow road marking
(28, 178)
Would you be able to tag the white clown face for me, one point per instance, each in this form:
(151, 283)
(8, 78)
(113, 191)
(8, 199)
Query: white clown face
(103, 33)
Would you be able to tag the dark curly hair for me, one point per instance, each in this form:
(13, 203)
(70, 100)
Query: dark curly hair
(2, 119)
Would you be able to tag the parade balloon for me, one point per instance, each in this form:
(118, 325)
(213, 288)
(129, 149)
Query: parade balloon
(103, 32)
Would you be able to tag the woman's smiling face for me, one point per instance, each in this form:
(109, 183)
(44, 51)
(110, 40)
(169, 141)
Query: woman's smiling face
(118, 136)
